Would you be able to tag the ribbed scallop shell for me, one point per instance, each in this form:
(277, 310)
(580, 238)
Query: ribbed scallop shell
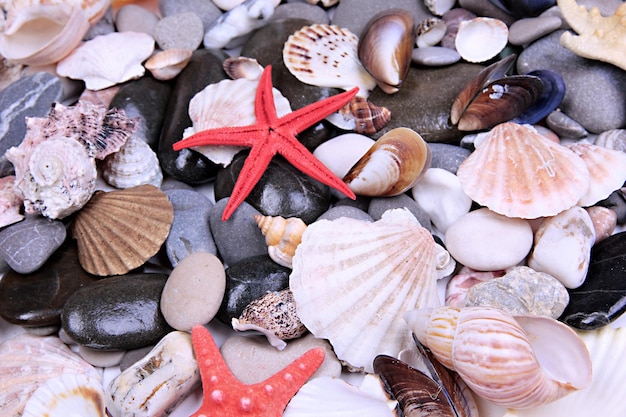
(607, 169)
(481, 38)
(282, 236)
(352, 281)
(514, 362)
(517, 172)
(67, 395)
(326, 56)
(134, 164)
(227, 103)
(119, 231)
(27, 361)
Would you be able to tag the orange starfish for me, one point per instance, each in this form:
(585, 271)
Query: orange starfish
(271, 135)
(225, 396)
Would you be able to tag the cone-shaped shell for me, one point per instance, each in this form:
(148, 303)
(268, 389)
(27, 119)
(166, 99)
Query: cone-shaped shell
(517, 172)
(282, 236)
(352, 280)
(391, 166)
(514, 362)
(134, 164)
(120, 230)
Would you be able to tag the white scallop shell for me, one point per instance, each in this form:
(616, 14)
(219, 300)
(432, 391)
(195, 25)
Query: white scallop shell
(481, 38)
(134, 164)
(107, 60)
(326, 56)
(227, 103)
(517, 172)
(67, 395)
(28, 361)
(352, 281)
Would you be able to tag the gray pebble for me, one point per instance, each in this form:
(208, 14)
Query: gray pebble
(345, 211)
(133, 18)
(525, 31)
(182, 31)
(103, 26)
(446, 156)
(564, 126)
(27, 245)
(206, 10)
(380, 205)
(101, 358)
(434, 56)
(306, 11)
(487, 8)
(133, 356)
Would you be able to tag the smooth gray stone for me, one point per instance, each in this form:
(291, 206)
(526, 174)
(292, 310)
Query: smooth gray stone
(133, 18)
(179, 31)
(488, 9)
(302, 11)
(435, 56)
(337, 212)
(133, 356)
(379, 205)
(206, 10)
(446, 156)
(27, 245)
(525, 31)
(103, 26)
(30, 96)
(190, 231)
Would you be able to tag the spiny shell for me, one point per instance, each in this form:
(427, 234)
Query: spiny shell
(118, 231)
(165, 65)
(326, 56)
(509, 361)
(67, 395)
(282, 236)
(519, 173)
(134, 164)
(226, 103)
(386, 46)
(242, 67)
(353, 279)
(107, 60)
(10, 202)
(27, 361)
(481, 38)
(391, 166)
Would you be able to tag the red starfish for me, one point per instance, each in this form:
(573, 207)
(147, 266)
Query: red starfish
(271, 135)
(225, 396)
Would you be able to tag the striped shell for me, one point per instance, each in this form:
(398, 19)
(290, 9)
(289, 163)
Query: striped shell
(352, 281)
(65, 395)
(134, 164)
(282, 236)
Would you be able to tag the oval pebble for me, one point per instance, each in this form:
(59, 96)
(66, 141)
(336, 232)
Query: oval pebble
(524, 31)
(181, 31)
(487, 241)
(194, 291)
(434, 56)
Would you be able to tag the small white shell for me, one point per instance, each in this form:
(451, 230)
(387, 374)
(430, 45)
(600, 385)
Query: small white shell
(429, 32)
(134, 164)
(165, 65)
(481, 38)
(67, 395)
(242, 67)
(439, 7)
(107, 60)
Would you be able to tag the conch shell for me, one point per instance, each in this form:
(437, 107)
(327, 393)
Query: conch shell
(282, 236)
(516, 362)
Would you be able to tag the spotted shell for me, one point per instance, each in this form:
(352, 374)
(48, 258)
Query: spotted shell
(282, 236)
(134, 164)
(352, 281)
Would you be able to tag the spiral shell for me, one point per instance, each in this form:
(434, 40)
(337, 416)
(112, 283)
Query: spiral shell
(509, 361)
(282, 236)
(134, 164)
(67, 395)
(361, 115)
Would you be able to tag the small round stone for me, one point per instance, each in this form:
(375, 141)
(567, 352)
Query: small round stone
(182, 31)
(194, 290)
(133, 18)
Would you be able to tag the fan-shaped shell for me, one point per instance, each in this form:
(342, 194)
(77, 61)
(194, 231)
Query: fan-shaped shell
(107, 60)
(118, 231)
(352, 280)
(27, 361)
(391, 166)
(165, 65)
(481, 38)
(509, 361)
(134, 164)
(227, 103)
(519, 173)
(282, 236)
(326, 56)
(67, 395)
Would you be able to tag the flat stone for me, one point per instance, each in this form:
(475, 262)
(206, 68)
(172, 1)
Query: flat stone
(525, 31)
(434, 56)
(179, 31)
(206, 10)
(133, 18)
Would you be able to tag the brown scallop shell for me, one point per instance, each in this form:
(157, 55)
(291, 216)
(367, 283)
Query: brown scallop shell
(119, 231)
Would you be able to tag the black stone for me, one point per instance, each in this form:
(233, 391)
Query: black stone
(282, 190)
(248, 280)
(117, 313)
(602, 297)
(36, 299)
(616, 202)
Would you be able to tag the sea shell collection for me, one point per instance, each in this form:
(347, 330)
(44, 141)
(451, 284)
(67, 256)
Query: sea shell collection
(387, 295)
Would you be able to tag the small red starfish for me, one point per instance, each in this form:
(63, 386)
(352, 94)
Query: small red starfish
(271, 135)
(225, 396)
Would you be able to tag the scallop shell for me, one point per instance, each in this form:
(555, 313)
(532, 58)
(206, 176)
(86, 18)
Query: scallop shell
(517, 172)
(134, 164)
(361, 115)
(391, 166)
(107, 60)
(227, 103)
(67, 395)
(118, 231)
(27, 361)
(353, 279)
(165, 65)
(326, 56)
(509, 361)
(10, 202)
(282, 236)
(481, 38)
(606, 167)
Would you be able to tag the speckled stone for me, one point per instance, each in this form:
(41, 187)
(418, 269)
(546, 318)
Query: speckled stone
(179, 31)
(446, 156)
(206, 10)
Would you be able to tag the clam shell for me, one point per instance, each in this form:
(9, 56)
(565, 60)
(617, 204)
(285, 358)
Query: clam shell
(481, 38)
(119, 231)
(134, 164)
(242, 67)
(227, 103)
(165, 65)
(430, 32)
(67, 395)
(353, 279)
(386, 46)
(326, 56)
(519, 173)
(107, 60)
(391, 166)
(361, 115)
(282, 236)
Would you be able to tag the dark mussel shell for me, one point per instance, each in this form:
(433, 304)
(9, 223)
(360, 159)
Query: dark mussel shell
(524, 8)
(550, 99)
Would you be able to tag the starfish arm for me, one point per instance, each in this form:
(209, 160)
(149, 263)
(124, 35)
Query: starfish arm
(264, 105)
(305, 117)
(231, 135)
(301, 158)
(252, 170)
